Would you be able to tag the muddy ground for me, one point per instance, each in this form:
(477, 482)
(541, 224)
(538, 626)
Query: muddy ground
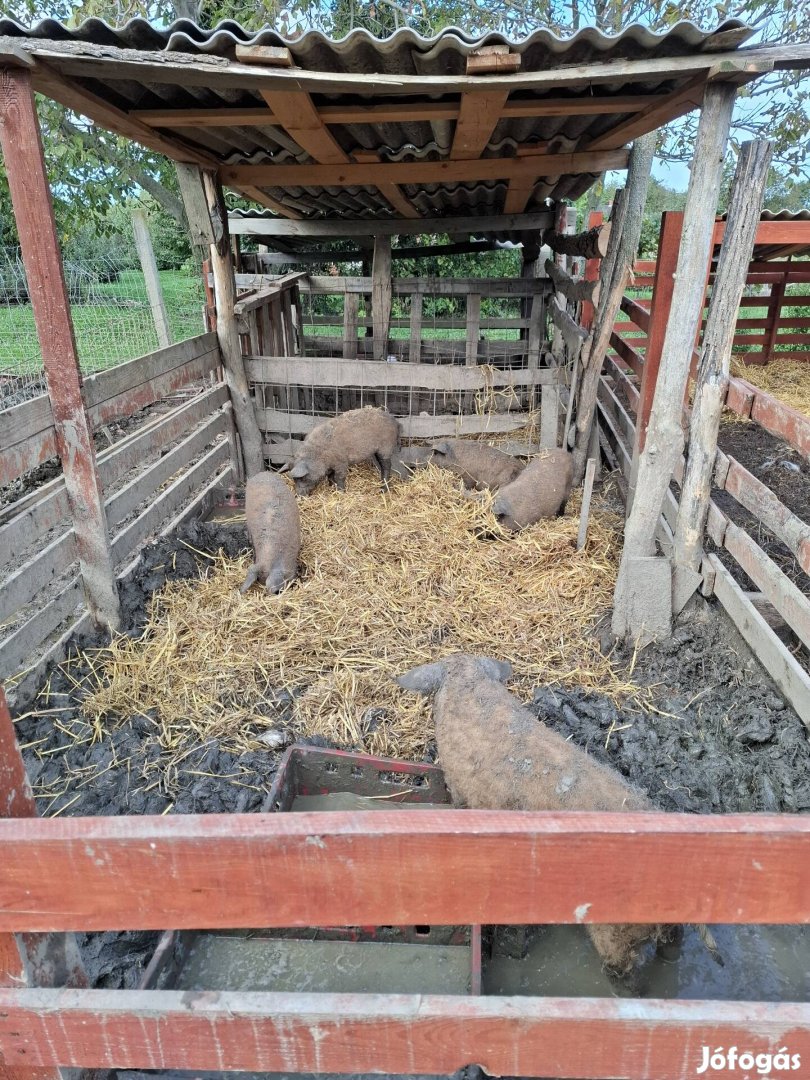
(716, 736)
(786, 472)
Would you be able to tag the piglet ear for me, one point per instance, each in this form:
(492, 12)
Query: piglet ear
(299, 470)
(440, 448)
(425, 679)
(285, 468)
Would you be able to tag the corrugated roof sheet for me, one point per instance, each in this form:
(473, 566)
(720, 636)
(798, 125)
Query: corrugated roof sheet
(405, 53)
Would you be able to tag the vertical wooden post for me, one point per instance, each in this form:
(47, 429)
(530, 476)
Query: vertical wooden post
(227, 331)
(415, 342)
(146, 254)
(745, 206)
(595, 218)
(33, 211)
(149, 266)
(350, 304)
(381, 295)
(473, 328)
(665, 434)
(777, 298)
(46, 960)
(669, 243)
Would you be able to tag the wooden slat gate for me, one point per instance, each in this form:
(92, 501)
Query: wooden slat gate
(358, 869)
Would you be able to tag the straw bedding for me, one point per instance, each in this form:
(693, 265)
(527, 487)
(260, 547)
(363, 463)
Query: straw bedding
(789, 380)
(388, 582)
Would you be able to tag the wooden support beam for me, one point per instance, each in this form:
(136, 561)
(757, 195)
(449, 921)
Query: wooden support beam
(493, 59)
(392, 192)
(227, 331)
(654, 115)
(269, 55)
(74, 58)
(294, 112)
(519, 192)
(74, 96)
(478, 116)
(422, 172)
(33, 211)
(665, 435)
(263, 199)
(340, 228)
(745, 207)
(381, 295)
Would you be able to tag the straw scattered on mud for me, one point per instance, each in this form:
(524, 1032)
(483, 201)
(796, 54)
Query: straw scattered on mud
(789, 380)
(389, 581)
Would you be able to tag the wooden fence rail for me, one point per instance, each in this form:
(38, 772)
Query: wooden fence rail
(621, 396)
(314, 869)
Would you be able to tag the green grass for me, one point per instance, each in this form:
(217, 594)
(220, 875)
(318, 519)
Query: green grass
(112, 323)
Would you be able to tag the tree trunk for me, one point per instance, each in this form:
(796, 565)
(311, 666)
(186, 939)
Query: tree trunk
(592, 244)
(665, 434)
(745, 208)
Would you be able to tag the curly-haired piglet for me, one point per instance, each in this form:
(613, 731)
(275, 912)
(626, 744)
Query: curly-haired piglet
(541, 491)
(478, 464)
(331, 447)
(497, 756)
(274, 528)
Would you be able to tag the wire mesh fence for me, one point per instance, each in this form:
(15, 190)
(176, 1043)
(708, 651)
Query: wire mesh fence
(112, 317)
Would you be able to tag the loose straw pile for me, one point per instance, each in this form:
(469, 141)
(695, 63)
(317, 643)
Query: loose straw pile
(789, 380)
(389, 581)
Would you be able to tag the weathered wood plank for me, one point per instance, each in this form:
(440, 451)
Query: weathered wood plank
(381, 294)
(432, 348)
(413, 427)
(349, 227)
(249, 870)
(17, 648)
(415, 326)
(40, 570)
(124, 389)
(549, 415)
(363, 1033)
(24, 421)
(760, 501)
(423, 171)
(149, 482)
(126, 541)
(330, 372)
(27, 455)
(780, 664)
(638, 315)
(789, 601)
(42, 510)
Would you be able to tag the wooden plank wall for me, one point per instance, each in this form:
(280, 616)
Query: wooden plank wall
(618, 403)
(438, 386)
(27, 435)
(186, 445)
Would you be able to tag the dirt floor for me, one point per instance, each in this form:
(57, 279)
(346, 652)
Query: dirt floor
(786, 472)
(712, 734)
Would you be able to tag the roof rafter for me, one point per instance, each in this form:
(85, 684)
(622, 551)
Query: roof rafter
(396, 112)
(359, 227)
(294, 111)
(423, 172)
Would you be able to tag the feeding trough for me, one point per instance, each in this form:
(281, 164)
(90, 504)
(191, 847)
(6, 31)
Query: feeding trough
(359, 959)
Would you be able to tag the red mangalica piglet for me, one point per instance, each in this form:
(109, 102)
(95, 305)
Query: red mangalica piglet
(274, 528)
(541, 491)
(331, 447)
(497, 756)
(478, 464)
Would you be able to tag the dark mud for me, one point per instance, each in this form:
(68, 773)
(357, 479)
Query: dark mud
(719, 738)
(787, 473)
(126, 771)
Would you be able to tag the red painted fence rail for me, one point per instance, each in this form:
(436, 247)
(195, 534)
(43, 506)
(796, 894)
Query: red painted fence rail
(458, 866)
